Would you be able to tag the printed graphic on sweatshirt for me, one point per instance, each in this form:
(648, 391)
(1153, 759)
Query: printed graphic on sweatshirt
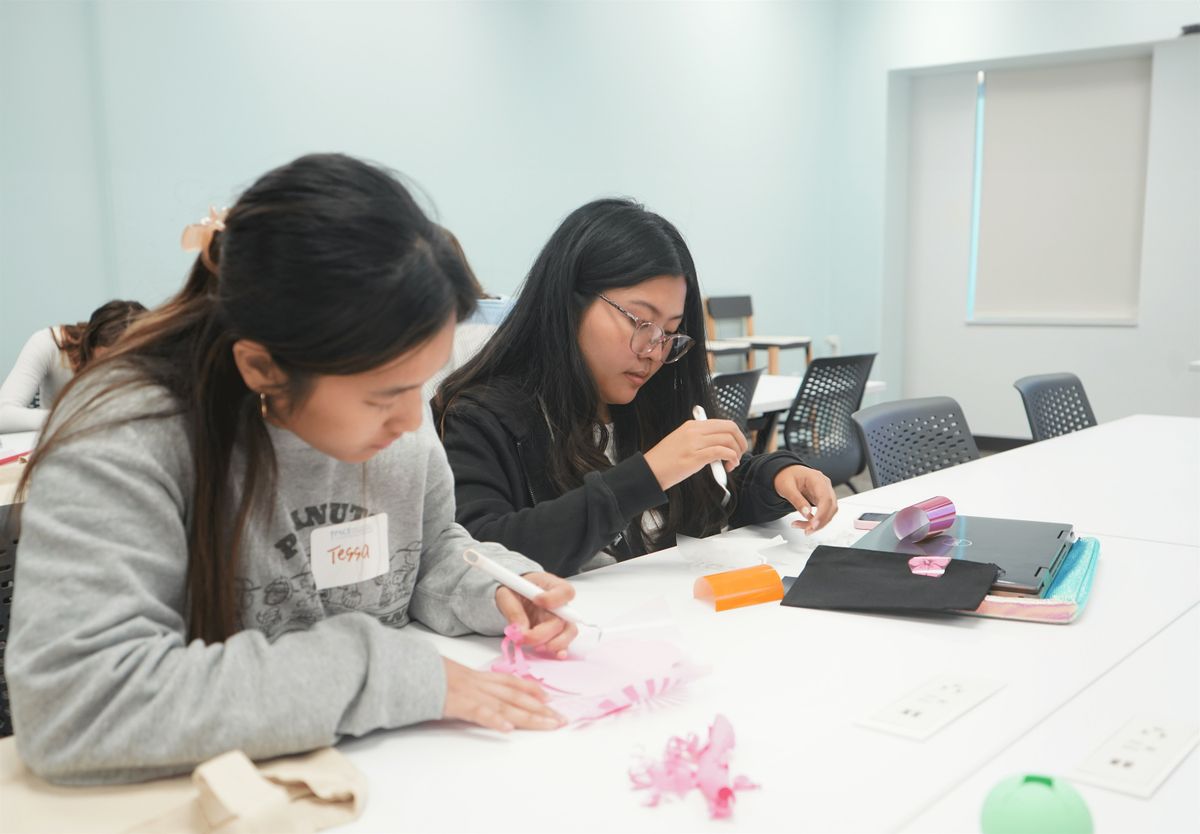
(282, 595)
(318, 515)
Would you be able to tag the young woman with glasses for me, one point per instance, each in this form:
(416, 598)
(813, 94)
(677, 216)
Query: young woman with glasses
(571, 434)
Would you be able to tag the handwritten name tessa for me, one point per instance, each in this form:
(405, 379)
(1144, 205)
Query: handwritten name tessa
(341, 553)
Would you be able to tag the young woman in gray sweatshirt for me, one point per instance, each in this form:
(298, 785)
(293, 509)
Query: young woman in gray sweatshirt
(230, 517)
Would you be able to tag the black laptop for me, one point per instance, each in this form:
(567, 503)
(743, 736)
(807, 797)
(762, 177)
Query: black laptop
(1028, 553)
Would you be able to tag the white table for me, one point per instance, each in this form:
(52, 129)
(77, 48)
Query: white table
(775, 392)
(1084, 724)
(774, 344)
(793, 682)
(721, 346)
(771, 344)
(17, 441)
(1138, 477)
(11, 444)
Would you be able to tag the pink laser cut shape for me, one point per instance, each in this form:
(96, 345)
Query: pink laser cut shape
(610, 677)
(512, 660)
(928, 565)
(687, 764)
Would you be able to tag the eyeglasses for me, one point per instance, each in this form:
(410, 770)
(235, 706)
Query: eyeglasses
(649, 338)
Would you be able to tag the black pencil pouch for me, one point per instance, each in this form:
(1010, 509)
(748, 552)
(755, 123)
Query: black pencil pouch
(846, 578)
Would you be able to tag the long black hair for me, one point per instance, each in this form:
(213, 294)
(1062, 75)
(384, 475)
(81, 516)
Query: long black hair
(605, 244)
(330, 264)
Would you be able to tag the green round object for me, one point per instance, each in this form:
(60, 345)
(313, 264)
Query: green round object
(1033, 804)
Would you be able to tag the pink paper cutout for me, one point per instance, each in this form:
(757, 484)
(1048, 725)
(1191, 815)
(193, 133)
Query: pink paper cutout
(512, 659)
(611, 677)
(928, 565)
(686, 765)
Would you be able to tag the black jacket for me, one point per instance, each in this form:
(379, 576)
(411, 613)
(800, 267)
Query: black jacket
(497, 442)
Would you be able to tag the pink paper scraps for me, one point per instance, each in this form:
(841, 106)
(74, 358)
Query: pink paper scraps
(612, 676)
(687, 764)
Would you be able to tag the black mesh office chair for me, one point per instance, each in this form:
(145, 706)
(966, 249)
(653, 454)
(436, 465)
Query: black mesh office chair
(818, 426)
(732, 394)
(10, 523)
(907, 438)
(1055, 404)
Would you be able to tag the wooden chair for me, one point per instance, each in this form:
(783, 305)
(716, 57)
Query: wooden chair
(740, 309)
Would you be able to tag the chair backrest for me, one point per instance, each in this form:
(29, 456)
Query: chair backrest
(818, 426)
(1055, 404)
(907, 438)
(728, 307)
(10, 524)
(732, 394)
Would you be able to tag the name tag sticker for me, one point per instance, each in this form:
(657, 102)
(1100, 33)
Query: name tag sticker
(356, 551)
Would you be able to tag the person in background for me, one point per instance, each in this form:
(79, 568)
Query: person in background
(471, 335)
(571, 435)
(51, 357)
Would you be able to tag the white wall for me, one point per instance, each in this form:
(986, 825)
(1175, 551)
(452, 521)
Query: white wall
(876, 38)
(1126, 370)
(509, 115)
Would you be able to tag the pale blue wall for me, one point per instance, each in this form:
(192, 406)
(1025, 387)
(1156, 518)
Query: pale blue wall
(55, 250)
(759, 128)
(508, 114)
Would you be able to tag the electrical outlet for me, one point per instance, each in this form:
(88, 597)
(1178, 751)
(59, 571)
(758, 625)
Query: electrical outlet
(931, 706)
(1139, 757)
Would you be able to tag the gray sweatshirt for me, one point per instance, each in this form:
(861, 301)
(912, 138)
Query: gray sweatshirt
(103, 682)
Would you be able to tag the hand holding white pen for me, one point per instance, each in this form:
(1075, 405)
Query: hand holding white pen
(718, 470)
(549, 624)
(694, 445)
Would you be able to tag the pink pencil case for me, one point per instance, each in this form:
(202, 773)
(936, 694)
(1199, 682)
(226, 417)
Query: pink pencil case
(1065, 600)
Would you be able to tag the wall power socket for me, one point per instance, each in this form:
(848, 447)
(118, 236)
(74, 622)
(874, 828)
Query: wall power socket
(1139, 757)
(931, 706)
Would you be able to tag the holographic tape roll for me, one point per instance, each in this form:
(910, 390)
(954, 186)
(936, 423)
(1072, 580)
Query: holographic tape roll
(922, 521)
(925, 519)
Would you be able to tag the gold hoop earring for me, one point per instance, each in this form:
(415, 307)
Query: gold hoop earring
(262, 405)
